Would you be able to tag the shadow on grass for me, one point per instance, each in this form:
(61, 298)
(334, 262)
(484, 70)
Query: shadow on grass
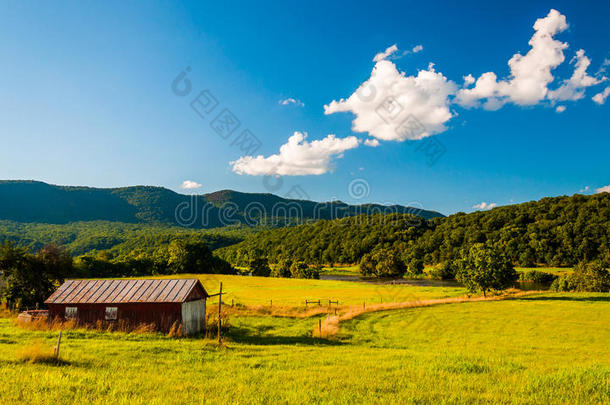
(245, 336)
(47, 362)
(567, 298)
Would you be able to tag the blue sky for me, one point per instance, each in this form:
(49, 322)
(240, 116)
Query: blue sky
(86, 97)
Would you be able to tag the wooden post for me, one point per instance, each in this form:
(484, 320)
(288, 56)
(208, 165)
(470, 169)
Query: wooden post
(232, 303)
(219, 307)
(57, 347)
(363, 304)
(271, 303)
(335, 311)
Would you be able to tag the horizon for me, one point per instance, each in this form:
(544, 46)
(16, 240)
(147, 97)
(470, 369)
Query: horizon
(486, 106)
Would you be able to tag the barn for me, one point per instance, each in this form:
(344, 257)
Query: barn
(162, 303)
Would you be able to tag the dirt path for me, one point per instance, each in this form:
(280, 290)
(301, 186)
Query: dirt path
(330, 326)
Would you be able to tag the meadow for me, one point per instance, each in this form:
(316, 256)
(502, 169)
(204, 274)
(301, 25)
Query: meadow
(247, 290)
(540, 348)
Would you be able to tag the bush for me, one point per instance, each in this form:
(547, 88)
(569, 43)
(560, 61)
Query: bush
(539, 277)
(587, 277)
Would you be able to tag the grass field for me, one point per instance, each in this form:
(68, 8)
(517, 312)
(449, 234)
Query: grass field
(293, 292)
(549, 348)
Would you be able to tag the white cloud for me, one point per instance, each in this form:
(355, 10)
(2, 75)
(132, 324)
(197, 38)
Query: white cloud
(417, 48)
(584, 190)
(190, 185)
(605, 189)
(297, 157)
(383, 55)
(372, 142)
(389, 98)
(560, 108)
(468, 80)
(291, 100)
(484, 206)
(574, 87)
(600, 98)
(530, 73)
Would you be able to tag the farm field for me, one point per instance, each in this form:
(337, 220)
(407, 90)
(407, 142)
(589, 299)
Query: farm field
(536, 349)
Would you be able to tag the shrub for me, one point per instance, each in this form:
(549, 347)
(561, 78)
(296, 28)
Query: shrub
(540, 277)
(587, 277)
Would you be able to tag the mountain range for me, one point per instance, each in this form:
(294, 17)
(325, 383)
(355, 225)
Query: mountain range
(35, 201)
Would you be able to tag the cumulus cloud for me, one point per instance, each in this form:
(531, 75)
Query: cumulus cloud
(190, 185)
(560, 108)
(574, 87)
(600, 98)
(290, 100)
(530, 73)
(385, 54)
(389, 104)
(372, 142)
(605, 189)
(297, 157)
(417, 48)
(484, 206)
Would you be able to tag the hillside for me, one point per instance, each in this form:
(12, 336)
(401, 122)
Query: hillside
(38, 202)
(558, 231)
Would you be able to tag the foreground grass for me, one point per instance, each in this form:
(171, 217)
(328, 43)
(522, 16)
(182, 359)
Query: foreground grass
(248, 290)
(549, 348)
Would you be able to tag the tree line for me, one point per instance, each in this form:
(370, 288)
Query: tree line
(560, 231)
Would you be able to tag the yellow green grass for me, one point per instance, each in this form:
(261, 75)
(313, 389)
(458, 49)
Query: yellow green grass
(549, 348)
(248, 290)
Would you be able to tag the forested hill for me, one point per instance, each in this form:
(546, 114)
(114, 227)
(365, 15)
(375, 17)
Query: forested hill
(32, 201)
(558, 231)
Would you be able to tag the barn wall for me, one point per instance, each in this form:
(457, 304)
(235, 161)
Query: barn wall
(162, 315)
(193, 317)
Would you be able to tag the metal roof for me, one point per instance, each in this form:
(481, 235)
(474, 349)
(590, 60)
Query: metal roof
(124, 291)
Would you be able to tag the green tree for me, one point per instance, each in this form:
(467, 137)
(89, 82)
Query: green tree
(302, 270)
(259, 266)
(589, 277)
(482, 268)
(30, 279)
(384, 262)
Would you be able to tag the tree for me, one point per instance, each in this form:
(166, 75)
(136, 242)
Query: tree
(482, 268)
(282, 269)
(587, 277)
(302, 270)
(384, 262)
(30, 279)
(259, 266)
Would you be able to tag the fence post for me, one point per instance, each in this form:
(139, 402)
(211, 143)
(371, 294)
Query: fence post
(57, 347)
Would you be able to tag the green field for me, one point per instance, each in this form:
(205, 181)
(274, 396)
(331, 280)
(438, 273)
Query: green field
(538, 349)
(248, 290)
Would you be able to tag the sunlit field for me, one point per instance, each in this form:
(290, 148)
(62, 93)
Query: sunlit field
(249, 290)
(538, 349)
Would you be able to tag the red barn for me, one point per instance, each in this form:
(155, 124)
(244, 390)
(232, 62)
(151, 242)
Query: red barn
(159, 302)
